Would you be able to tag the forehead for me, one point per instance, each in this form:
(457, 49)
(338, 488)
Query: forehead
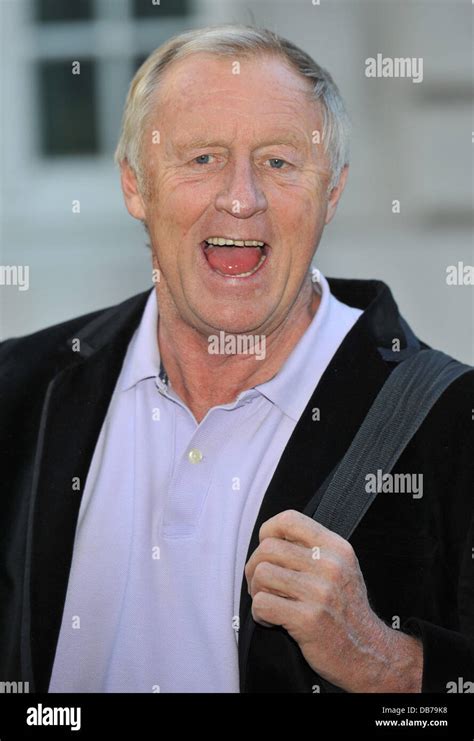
(263, 85)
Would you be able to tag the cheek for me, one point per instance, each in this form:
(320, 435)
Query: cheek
(185, 203)
(300, 211)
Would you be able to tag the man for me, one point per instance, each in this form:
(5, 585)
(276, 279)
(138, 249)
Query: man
(161, 456)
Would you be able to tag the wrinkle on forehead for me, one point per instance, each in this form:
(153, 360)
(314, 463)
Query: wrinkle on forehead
(184, 80)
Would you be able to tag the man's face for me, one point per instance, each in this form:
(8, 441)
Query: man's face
(235, 160)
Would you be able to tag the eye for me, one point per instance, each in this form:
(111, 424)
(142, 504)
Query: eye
(203, 159)
(276, 163)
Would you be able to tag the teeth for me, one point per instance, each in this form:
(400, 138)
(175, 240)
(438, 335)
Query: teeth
(221, 241)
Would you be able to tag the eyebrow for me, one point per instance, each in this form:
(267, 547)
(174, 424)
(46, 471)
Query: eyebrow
(287, 140)
(181, 146)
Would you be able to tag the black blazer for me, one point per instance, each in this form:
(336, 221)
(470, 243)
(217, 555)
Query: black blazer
(416, 554)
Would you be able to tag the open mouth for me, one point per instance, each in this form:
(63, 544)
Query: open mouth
(236, 258)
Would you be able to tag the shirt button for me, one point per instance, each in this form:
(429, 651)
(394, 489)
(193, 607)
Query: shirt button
(195, 455)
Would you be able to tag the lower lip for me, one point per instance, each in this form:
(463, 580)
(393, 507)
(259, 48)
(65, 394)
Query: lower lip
(235, 279)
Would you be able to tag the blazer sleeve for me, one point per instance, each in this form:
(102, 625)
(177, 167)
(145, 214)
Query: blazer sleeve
(448, 655)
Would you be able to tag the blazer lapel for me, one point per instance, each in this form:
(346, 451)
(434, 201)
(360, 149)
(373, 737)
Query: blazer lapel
(74, 409)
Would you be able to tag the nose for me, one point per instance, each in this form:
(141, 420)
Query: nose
(241, 195)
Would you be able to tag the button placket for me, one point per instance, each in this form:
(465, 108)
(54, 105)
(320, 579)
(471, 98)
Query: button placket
(191, 482)
(194, 473)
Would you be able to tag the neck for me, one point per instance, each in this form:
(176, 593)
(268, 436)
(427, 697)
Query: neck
(203, 380)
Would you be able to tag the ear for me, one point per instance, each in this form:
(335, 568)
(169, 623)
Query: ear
(131, 193)
(335, 194)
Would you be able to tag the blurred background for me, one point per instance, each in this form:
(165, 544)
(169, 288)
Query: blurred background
(410, 142)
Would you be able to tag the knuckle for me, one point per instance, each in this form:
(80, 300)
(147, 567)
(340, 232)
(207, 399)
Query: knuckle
(258, 602)
(262, 570)
(346, 550)
(334, 568)
(289, 516)
(268, 546)
(258, 598)
(289, 520)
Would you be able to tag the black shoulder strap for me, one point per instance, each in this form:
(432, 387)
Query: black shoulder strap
(399, 409)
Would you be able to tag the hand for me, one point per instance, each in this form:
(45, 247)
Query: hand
(307, 579)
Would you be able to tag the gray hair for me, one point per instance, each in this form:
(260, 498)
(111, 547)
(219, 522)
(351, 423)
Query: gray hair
(232, 40)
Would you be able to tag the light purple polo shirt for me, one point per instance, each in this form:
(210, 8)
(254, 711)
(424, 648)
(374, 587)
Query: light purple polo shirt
(166, 518)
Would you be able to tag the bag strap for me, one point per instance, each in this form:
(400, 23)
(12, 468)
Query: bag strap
(403, 402)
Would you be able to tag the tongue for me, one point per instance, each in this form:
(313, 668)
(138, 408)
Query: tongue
(233, 260)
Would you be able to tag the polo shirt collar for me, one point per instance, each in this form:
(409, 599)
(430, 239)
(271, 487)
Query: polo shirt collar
(289, 389)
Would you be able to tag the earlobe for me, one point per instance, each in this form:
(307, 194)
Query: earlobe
(131, 193)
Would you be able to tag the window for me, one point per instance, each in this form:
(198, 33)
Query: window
(68, 108)
(80, 113)
(58, 10)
